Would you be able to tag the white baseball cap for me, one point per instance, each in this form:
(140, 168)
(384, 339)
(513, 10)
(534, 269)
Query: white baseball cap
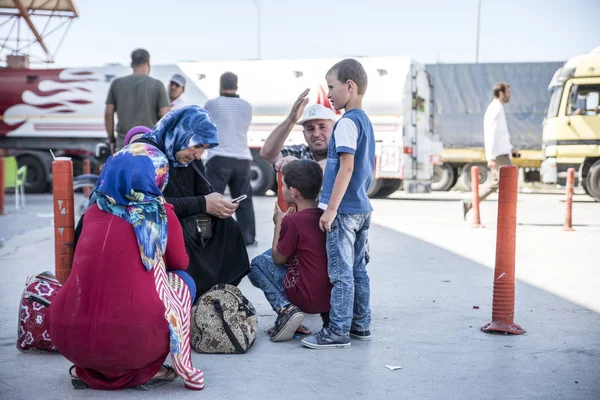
(317, 111)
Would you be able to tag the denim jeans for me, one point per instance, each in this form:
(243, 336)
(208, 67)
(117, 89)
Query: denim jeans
(268, 277)
(350, 296)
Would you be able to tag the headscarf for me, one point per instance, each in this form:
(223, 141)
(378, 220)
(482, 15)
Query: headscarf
(180, 129)
(135, 131)
(130, 187)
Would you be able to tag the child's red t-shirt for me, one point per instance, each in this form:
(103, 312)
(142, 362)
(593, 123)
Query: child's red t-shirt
(306, 283)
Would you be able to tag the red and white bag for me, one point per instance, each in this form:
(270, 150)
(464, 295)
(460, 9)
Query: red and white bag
(39, 292)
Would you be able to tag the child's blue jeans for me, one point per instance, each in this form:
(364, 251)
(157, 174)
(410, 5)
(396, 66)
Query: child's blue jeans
(347, 267)
(268, 276)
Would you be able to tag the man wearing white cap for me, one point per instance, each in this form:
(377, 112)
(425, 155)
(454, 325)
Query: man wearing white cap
(176, 89)
(317, 121)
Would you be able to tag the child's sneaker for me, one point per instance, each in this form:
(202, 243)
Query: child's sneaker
(288, 320)
(360, 335)
(325, 318)
(325, 339)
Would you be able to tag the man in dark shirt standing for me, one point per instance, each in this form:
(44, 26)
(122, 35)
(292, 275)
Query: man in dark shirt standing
(137, 99)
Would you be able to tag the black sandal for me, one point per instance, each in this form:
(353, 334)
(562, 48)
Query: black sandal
(75, 381)
(155, 382)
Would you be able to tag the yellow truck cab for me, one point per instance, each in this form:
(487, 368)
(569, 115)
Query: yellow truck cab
(571, 129)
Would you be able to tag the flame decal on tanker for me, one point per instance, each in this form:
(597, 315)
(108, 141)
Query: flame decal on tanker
(42, 94)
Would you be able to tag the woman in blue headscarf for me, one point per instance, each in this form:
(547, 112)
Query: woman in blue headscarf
(122, 310)
(219, 254)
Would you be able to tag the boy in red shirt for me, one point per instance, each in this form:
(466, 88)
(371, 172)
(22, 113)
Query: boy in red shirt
(293, 274)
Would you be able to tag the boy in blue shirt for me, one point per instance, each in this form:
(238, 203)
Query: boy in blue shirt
(347, 216)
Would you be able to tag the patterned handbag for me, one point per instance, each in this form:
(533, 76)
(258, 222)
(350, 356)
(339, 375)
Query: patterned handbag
(224, 321)
(39, 292)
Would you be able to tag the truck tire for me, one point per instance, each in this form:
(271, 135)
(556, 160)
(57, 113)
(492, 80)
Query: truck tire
(593, 181)
(37, 176)
(465, 175)
(585, 185)
(388, 187)
(444, 177)
(262, 176)
(373, 190)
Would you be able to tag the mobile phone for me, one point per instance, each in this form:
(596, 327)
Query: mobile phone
(237, 200)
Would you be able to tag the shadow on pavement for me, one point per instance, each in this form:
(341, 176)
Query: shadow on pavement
(423, 320)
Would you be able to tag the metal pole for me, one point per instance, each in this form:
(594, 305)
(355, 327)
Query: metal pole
(475, 193)
(568, 226)
(477, 34)
(258, 24)
(503, 300)
(64, 217)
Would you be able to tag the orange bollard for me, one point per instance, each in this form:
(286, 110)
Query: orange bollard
(503, 303)
(475, 201)
(2, 172)
(283, 205)
(64, 217)
(87, 169)
(568, 226)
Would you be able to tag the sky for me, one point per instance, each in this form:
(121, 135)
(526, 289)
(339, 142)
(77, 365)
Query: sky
(428, 30)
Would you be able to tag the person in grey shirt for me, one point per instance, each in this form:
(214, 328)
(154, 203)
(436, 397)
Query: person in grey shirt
(229, 163)
(137, 99)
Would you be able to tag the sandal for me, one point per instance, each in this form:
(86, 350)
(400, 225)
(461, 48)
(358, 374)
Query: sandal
(162, 378)
(302, 330)
(75, 381)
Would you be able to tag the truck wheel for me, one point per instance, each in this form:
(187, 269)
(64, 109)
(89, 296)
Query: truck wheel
(388, 187)
(262, 176)
(593, 181)
(585, 185)
(37, 180)
(376, 185)
(444, 177)
(465, 176)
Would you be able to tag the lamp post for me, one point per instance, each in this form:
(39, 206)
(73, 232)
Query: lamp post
(257, 4)
(477, 34)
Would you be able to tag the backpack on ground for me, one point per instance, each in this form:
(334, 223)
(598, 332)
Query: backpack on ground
(223, 321)
(39, 292)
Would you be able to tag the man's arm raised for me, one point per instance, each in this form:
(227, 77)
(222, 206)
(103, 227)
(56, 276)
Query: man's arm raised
(271, 150)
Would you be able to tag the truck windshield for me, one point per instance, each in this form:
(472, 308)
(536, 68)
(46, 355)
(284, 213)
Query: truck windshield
(584, 100)
(555, 101)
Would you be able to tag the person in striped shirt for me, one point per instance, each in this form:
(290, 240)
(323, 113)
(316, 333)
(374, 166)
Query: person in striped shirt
(229, 163)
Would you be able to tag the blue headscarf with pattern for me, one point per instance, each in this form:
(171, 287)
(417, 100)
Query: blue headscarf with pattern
(130, 187)
(183, 128)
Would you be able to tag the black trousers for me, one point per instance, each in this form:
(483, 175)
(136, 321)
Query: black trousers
(224, 171)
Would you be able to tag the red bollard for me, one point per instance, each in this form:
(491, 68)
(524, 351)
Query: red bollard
(283, 205)
(64, 217)
(503, 303)
(475, 201)
(568, 226)
(2, 172)
(87, 169)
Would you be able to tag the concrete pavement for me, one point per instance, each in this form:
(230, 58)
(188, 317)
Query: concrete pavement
(428, 269)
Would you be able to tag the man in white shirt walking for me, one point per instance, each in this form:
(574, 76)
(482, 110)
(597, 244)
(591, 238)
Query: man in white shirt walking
(228, 164)
(496, 139)
(176, 89)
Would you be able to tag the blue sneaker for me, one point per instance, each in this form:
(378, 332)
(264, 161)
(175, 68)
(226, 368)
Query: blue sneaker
(325, 339)
(360, 335)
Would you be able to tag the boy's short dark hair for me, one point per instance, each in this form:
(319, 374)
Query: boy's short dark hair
(306, 176)
(350, 69)
(229, 81)
(140, 57)
(500, 87)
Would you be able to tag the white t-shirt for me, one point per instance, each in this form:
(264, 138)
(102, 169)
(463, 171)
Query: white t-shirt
(495, 131)
(232, 116)
(178, 103)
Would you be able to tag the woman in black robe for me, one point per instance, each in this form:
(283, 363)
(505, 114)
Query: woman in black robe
(222, 258)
